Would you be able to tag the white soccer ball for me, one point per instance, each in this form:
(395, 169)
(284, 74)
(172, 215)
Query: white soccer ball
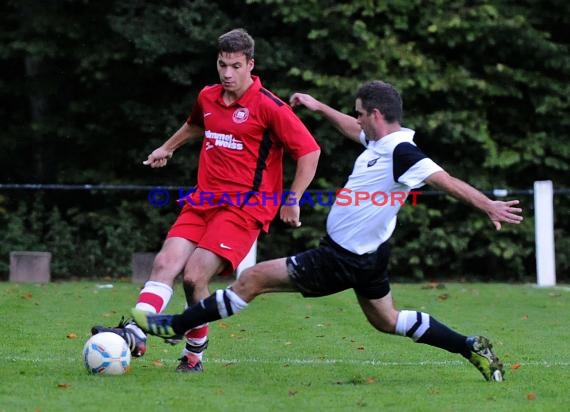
(106, 353)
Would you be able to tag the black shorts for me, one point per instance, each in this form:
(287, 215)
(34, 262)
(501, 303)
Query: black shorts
(330, 269)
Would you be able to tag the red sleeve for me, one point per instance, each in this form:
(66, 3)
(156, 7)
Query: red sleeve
(292, 133)
(197, 115)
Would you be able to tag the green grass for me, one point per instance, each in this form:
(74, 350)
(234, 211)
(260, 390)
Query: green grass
(287, 353)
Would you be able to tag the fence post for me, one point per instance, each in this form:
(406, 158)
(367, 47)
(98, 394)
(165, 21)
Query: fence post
(33, 267)
(141, 266)
(544, 233)
(249, 260)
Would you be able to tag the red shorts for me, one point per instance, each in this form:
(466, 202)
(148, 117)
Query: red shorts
(226, 231)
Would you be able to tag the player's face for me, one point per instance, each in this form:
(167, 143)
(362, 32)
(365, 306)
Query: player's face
(365, 120)
(235, 71)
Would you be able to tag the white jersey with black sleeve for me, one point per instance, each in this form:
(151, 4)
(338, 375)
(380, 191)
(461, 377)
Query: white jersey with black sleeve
(364, 213)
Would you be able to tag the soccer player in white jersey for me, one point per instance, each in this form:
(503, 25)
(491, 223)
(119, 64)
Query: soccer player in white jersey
(354, 252)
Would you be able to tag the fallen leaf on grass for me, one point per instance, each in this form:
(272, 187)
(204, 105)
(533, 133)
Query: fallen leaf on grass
(64, 385)
(525, 317)
(27, 296)
(357, 380)
(515, 366)
(158, 363)
(434, 285)
(531, 396)
(292, 392)
(443, 296)
(223, 325)
(360, 348)
(71, 335)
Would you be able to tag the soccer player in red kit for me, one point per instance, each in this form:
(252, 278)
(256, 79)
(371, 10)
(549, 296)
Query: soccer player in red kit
(244, 130)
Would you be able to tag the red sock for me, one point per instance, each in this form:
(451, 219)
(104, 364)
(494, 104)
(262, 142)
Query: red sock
(199, 333)
(195, 341)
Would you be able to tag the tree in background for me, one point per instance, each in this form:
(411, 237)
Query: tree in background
(91, 87)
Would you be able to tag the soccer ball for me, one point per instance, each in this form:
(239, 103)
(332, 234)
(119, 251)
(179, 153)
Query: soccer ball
(106, 353)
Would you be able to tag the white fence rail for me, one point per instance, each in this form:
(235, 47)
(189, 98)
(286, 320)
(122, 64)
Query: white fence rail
(543, 192)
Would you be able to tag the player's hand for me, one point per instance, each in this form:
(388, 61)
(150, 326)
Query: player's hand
(158, 158)
(290, 215)
(303, 99)
(505, 212)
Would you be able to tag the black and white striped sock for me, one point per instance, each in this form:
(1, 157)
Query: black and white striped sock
(221, 304)
(423, 328)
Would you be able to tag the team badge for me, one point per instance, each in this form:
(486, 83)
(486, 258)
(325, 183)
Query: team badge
(240, 115)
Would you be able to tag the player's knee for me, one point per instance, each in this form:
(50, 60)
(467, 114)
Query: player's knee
(197, 273)
(249, 284)
(162, 265)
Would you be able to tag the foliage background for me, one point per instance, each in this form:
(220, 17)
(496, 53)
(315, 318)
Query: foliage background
(89, 88)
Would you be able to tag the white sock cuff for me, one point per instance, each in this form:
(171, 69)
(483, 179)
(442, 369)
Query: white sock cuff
(229, 303)
(162, 290)
(152, 284)
(237, 302)
(402, 322)
(412, 324)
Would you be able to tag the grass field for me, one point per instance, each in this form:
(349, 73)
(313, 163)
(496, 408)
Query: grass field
(286, 353)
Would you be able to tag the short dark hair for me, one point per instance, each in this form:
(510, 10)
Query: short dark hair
(237, 40)
(380, 95)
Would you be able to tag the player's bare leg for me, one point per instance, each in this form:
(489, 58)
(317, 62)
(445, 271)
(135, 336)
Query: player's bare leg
(199, 269)
(156, 293)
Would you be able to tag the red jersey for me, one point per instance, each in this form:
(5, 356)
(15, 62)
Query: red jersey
(241, 160)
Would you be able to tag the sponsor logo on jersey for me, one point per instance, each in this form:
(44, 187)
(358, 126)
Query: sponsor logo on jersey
(223, 140)
(240, 115)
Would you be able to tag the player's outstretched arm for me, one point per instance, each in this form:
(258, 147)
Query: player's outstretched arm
(346, 124)
(497, 211)
(304, 174)
(160, 156)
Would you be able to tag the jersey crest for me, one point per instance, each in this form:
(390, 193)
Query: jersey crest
(240, 115)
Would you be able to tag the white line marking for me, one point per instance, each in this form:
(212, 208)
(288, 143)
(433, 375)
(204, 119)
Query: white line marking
(284, 361)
